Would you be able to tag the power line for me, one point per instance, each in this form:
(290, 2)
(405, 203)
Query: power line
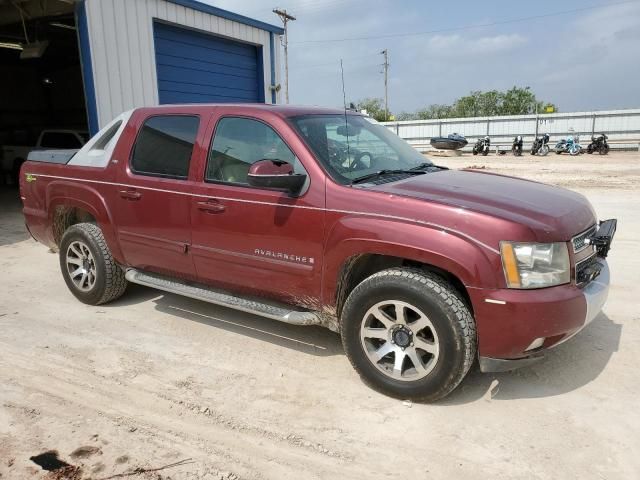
(465, 27)
(336, 62)
(311, 7)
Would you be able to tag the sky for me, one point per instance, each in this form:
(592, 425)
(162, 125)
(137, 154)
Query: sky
(581, 61)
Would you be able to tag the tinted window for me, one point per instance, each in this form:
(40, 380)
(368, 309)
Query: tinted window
(164, 146)
(60, 140)
(240, 142)
(105, 140)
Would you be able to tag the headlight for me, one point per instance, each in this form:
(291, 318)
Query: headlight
(535, 265)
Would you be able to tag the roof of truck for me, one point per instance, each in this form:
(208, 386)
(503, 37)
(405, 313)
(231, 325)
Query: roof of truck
(282, 110)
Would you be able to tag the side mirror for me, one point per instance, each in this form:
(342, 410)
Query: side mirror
(276, 175)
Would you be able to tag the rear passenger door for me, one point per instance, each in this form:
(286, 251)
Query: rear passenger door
(154, 194)
(252, 240)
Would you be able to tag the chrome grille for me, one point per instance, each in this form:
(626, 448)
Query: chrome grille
(578, 241)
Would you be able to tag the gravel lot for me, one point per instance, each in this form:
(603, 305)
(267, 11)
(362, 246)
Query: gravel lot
(153, 379)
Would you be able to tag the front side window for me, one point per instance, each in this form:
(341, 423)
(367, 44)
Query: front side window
(355, 146)
(239, 143)
(164, 146)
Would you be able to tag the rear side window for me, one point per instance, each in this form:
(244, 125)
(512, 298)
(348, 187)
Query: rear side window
(164, 146)
(59, 140)
(105, 140)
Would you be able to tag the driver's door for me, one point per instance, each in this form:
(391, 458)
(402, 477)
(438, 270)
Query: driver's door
(253, 240)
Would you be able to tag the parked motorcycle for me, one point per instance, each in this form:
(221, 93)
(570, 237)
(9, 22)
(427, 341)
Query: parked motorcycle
(571, 146)
(482, 146)
(516, 147)
(540, 145)
(598, 144)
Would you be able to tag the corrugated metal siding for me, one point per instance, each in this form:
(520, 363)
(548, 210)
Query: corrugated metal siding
(619, 125)
(195, 67)
(123, 54)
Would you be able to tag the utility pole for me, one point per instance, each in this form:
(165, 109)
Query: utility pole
(386, 91)
(285, 17)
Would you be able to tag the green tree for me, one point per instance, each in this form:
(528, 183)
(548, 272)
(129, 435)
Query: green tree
(489, 103)
(515, 101)
(434, 111)
(467, 106)
(519, 101)
(407, 116)
(374, 108)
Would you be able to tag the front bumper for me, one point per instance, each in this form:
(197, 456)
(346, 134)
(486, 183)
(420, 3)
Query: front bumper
(496, 365)
(595, 294)
(509, 322)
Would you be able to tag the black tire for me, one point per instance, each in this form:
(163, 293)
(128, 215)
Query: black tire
(604, 149)
(441, 303)
(485, 153)
(110, 282)
(475, 152)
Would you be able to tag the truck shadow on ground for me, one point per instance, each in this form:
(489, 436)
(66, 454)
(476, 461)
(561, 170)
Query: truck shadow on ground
(565, 368)
(311, 340)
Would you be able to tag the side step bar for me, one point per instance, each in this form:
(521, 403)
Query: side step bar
(264, 308)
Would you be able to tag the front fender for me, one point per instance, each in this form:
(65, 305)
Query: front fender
(459, 255)
(86, 197)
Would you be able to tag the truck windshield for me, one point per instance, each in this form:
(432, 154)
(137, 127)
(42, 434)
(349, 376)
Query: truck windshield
(356, 146)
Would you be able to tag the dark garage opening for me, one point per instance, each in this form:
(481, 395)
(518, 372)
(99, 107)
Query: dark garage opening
(41, 84)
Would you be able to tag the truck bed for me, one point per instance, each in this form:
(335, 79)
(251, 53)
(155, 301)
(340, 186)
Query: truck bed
(52, 156)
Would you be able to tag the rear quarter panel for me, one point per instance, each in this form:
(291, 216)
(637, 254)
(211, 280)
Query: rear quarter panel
(45, 187)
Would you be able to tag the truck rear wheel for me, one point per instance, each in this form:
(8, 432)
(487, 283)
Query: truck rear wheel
(88, 267)
(408, 334)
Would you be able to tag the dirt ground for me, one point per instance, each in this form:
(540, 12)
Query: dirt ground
(154, 379)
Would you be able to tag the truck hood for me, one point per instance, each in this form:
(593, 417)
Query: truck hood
(547, 210)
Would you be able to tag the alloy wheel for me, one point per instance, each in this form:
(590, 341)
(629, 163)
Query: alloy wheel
(399, 340)
(81, 266)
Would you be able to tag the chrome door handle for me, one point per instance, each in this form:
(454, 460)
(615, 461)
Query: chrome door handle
(211, 206)
(130, 194)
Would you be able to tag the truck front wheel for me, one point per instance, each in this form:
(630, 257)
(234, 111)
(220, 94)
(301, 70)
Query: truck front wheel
(88, 267)
(408, 334)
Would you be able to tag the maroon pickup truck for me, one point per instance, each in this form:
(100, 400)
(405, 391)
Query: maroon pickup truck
(322, 217)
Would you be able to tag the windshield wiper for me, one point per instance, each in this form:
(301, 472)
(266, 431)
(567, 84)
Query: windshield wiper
(380, 173)
(425, 166)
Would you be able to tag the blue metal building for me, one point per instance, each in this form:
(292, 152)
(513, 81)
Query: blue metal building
(148, 52)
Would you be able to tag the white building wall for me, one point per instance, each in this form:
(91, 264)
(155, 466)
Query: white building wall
(123, 54)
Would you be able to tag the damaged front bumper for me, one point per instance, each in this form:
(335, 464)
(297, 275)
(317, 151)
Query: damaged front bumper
(551, 328)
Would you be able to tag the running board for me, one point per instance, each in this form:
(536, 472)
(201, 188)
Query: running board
(264, 308)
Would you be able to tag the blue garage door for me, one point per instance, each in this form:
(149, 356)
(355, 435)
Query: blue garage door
(195, 67)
